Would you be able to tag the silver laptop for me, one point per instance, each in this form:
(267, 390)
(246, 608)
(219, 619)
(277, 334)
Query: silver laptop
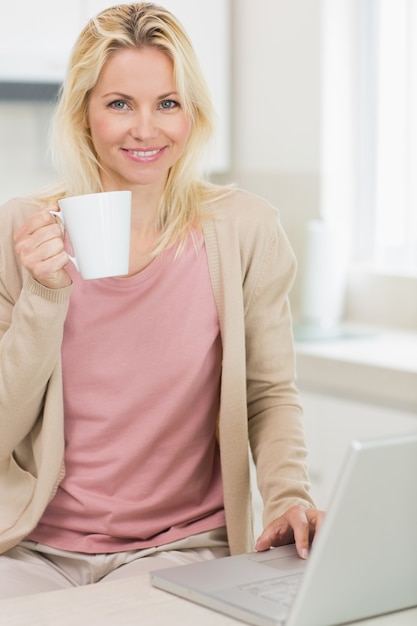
(363, 563)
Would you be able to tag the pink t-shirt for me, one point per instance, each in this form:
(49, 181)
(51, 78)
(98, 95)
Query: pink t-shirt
(142, 365)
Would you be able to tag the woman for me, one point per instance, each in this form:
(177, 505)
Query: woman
(127, 404)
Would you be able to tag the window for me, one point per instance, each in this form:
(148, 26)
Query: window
(387, 112)
(368, 152)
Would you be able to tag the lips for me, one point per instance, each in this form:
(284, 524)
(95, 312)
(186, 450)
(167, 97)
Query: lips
(145, 153)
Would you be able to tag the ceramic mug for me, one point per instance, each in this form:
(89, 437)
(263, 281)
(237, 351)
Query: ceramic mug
(98, 227)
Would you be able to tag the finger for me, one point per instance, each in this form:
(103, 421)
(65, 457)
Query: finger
(36, 221)
(305, 523)
(318, 521)
(278, 533)
(48, 258)
(263, 543)
(29, 242)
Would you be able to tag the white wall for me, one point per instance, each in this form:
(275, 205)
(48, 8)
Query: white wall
(276, 85)
(24, 164)
(276, 109)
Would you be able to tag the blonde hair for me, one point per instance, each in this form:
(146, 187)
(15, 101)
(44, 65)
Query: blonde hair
(135, 25)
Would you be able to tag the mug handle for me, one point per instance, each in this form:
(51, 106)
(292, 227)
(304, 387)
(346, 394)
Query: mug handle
(61, 217)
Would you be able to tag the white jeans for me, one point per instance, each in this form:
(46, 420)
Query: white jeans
(31, 567)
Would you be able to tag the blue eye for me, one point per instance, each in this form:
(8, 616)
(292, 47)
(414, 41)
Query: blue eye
(169, 104)
(118, 104)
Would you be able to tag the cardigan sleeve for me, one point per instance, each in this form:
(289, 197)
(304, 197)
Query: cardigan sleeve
(274, 412)
(31, 327)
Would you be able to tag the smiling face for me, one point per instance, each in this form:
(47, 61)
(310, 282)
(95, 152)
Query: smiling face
(137, 124)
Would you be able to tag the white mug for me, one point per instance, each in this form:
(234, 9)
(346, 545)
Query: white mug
(98, 225)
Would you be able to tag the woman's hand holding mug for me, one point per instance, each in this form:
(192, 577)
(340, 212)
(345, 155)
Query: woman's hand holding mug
(39, 245)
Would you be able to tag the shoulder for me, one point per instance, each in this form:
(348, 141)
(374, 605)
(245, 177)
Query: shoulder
(247, 217)
(243, 205)
(247, 227)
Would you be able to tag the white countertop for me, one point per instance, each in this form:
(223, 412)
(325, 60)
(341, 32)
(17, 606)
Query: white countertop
(131, 602)
(375, 365)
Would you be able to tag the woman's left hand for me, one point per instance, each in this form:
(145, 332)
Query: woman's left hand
(298, 525)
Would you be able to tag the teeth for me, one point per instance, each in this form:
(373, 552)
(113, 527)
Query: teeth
(144, 153)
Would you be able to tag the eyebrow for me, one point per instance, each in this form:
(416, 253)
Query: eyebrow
(168, 95)
(124, 96)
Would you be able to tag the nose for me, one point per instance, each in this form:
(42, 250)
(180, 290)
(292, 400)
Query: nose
(144, 125)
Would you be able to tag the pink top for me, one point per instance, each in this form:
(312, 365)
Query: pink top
(142, 363)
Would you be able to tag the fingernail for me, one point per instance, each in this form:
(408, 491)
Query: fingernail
(304, 553)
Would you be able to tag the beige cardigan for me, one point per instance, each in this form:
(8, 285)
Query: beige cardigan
(252, 269)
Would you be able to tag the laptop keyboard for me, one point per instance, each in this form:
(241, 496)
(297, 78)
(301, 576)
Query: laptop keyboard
(280, 590)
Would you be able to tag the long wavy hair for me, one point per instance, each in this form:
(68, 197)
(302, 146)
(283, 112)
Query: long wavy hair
(123, 26)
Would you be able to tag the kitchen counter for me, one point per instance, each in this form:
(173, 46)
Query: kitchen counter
(365, 364)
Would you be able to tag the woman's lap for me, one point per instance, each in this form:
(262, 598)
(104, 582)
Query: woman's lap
(33, 568)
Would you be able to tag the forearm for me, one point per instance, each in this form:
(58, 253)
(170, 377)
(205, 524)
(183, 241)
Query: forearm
(274, 411)
(30, 344)
(280, 454)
